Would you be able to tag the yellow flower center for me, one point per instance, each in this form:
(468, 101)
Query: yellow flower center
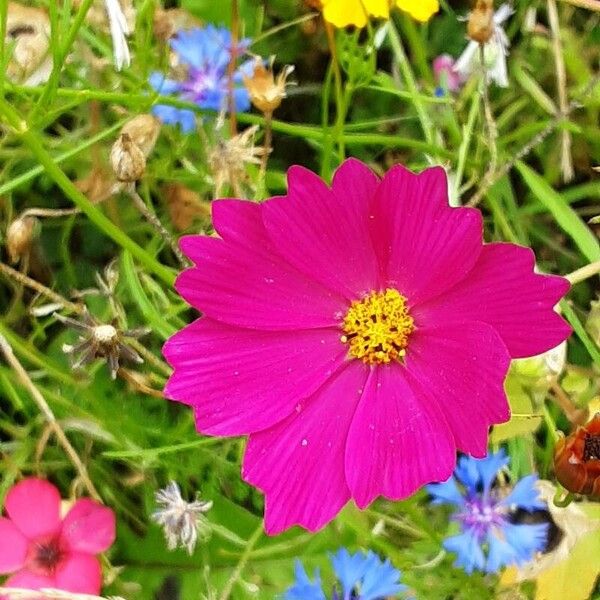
(377, 327)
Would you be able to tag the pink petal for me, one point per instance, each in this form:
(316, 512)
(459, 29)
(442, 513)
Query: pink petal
(13, 547)
(244, 380)
(299, 463)
(34, 506)
(254, 287)
(88, 527)
(426, 246)
(461, 369)
(323, 232)
(238, 221)
(503, 291)
(80, 573)
(30, 581)
(397, 441)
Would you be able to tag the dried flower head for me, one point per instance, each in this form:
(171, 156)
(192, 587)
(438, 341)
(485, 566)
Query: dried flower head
(143, 130)
(28, 33)
(267, 91)
(577, 459)
(101, 340)
(20, 236)
(185, 206)
(182, 522)
(228, 159)
(480, 26)
(127, 159)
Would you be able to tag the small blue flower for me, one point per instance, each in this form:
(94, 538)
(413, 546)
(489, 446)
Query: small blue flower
(205, 52)
(489, 539)
(360, 576)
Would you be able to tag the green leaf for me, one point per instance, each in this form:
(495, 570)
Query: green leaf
(568, 220)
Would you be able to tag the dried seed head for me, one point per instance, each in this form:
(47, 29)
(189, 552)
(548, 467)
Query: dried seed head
(480, 27)
(182, 522)
(185, 206)
(105, 334)
(143, 131)
(267, 91)
(20, 236)
(127, 159)
(28, 33)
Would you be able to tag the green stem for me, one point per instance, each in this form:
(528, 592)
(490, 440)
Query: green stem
(21, 129)
(579, 329)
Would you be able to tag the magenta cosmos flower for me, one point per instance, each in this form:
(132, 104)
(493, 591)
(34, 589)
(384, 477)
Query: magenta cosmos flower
(44, 550)
(360, 334)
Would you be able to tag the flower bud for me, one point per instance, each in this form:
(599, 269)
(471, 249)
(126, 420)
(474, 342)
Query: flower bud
(143, 131)
(127, 160)
(266, 91)
(20, 236)
(480, 27)
(577, 459)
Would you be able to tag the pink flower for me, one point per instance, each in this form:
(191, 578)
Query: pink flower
(360, 334)
(445, 75)
(45, 551)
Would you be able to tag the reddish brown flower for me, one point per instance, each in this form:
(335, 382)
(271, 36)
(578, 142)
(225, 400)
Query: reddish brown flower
(577, 459)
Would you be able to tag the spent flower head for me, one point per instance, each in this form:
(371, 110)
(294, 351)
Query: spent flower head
(360, 576)
(267, 91)
(489, 538)
(491, 41)
(183, 522)
(101, 340)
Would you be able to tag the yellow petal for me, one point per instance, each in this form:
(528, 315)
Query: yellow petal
(342, 13)
(422, 10)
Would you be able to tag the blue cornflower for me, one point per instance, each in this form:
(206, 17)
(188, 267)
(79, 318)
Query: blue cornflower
(205, 52)
(360, 576)
(489, 539)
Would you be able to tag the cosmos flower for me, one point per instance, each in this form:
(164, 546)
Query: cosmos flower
(495, 51)
(360, 576)
(205, 53)
(360, 334)
(577, 459)
(342, 13)
(181, 521)
(489, 540)
(44, 550)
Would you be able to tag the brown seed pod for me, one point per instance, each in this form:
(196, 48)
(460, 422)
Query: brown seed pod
(20, 236)
(127, 160)
(480, 27)
(577, 459)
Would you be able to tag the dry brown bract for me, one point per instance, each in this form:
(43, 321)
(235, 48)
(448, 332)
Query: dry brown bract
(28, 41)
(267, 91)
(480, 27)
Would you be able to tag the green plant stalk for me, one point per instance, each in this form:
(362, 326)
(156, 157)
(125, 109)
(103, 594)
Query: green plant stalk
(466, 142)
(580, 331)
(411, 83)
(32, 141)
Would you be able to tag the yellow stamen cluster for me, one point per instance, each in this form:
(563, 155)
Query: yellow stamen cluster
(377, 327)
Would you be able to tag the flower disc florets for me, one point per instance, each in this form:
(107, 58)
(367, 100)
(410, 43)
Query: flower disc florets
(377, 327)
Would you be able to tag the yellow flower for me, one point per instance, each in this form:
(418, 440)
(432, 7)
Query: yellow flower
(342, 13)
(421, 10)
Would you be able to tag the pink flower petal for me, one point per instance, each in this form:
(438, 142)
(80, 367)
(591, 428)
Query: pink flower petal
(80, 573)
(13, 547)
(254, 287)
(503, 291)
(299, 463)
(88, 527)
(425, 246)
(324, 232)
(244, 380)
(397, 441)
(461, 369)
(30, 581)
(34, 506)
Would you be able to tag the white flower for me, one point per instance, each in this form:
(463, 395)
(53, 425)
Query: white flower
(495, 51)
(119, 30)
(181, 521)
